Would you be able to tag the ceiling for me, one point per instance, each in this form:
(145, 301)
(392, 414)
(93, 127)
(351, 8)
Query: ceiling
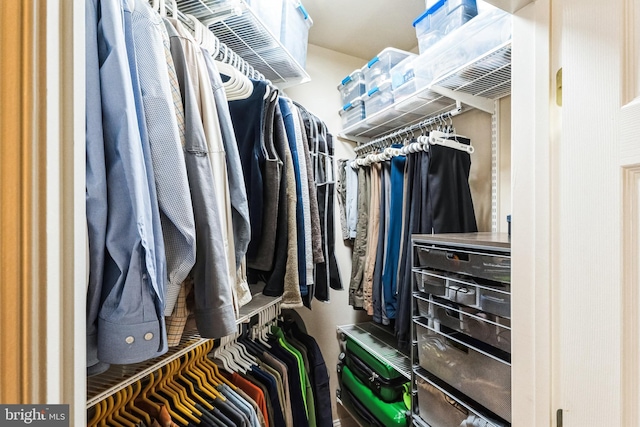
(362, 28)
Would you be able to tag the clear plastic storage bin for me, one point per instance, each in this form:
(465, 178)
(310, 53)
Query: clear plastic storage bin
(378, 98)
(270, 13)
(352, 87)
(352, 113)
(442, 18)
(479, 36)
(294, 33)
(405, 82)
(378, 70)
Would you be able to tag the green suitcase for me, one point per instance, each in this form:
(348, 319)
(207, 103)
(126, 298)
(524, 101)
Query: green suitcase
(370, 406)
(385, 381)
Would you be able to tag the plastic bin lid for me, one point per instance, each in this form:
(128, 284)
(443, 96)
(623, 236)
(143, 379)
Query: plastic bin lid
(349, 105)
(429, 11)
(350, 77)
(387, 50)
(384, 85)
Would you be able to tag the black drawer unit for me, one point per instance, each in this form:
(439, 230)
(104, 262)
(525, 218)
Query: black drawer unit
(461, 329)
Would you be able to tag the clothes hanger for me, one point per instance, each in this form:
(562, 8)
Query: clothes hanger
(176, 410)
(214, 367)
(129, 410)
(131, 420)
(444, 139)
(97, 415)
(191, 390)
(107, 420)
(229, 354)
(179, 391)
(202, 379)
(132, 408)
(116, 416)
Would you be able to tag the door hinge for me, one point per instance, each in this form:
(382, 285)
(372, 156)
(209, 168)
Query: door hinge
(559, 88)
(559, 418)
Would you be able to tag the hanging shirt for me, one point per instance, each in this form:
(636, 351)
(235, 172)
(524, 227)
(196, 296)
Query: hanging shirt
(272, 174)
(247, 116)
(212, 294)
(172, 184)
(238, 191)
(205, 101)
(130, 321)
(303, 161)
(96, 186)
(289, 125)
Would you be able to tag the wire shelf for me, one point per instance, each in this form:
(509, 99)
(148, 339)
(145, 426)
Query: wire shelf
(488, 76)
(235, 24)
(118, 377)
(379, 342)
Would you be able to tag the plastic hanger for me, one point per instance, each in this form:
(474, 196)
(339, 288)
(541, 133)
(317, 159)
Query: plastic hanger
(179, 392)
(125, 412)
(214, 367)
(193, 371)
(97, 416)
(158, 392)
(136, 389)
(107, 419)
(117, 415)
(443, 139)
(227, 354)
(191, 390)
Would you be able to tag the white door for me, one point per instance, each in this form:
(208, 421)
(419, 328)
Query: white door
(576, 214)
(595, 215)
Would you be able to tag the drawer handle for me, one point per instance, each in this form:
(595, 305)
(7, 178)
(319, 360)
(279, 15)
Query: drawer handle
(457, 256)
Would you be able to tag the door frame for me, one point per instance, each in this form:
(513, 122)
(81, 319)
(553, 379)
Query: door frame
(531, 243)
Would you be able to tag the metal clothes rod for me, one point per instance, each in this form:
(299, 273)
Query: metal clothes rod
(380, 142)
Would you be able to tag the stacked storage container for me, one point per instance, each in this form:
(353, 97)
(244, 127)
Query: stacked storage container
(442, 18)
(352, 89)
(457, 39)
(377, 76)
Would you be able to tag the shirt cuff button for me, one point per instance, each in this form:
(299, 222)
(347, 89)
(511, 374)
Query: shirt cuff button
(129, 340)
(148, 336)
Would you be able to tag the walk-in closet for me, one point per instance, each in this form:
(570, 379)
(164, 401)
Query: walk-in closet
(319, 213)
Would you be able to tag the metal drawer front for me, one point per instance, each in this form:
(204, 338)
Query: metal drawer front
(478, 373)
(486, 327)
(488, 266)
(440, 409)
(494, 298)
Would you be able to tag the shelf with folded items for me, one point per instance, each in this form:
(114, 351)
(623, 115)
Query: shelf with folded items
(476, 84)
(235, 24)
(381, 343)
(118, 377)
